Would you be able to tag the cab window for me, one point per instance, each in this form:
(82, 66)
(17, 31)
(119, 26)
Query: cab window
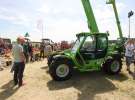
(101, 43)
(89, 44)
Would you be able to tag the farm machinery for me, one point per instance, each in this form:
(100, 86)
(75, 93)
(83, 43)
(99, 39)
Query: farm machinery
(91, 50)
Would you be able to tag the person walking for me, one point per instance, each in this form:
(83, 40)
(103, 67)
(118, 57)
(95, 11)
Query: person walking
(129, 53)
(31, 52)
(19, 62)
(26, 51)
(42, 53)
(48, 49)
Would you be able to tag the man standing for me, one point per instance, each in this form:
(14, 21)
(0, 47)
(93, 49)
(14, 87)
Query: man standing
(129, 53)
(42, 53)
(26, 51)
(19, 61)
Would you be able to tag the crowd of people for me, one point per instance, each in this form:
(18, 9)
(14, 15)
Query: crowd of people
(34, 52)
(23, 52)
(5, 49)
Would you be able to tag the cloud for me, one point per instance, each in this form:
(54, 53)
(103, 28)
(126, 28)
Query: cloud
(43, 9)
(106, 19)
(62, 19)
(121, 7)
(14, 16)
(63, 16)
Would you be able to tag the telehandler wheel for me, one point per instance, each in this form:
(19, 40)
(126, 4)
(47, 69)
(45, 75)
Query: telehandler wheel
(112, 66)
(60, 70)
(50, 58)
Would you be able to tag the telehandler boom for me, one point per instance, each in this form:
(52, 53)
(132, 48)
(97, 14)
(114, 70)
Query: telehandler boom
(92, 25)
(116, 16)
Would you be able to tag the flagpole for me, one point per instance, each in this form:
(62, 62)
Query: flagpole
(40, 26)
(42, 31)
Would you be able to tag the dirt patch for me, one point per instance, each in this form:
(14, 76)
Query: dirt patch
(82, 86)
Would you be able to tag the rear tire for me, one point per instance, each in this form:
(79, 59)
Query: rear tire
(61, 70)
(112, 66)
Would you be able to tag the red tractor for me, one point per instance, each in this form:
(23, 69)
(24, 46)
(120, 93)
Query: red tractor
(65, 45)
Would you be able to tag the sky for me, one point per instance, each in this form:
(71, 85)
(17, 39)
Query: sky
(61, 19)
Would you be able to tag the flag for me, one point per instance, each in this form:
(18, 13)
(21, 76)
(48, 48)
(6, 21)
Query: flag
(27, 35)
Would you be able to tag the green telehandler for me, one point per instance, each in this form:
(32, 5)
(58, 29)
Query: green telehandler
(91, 50)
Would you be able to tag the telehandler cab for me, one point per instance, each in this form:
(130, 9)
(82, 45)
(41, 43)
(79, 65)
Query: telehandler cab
(91, 50)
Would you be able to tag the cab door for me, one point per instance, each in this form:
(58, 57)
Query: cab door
(94, 48)
(101, 46)
(88, 48)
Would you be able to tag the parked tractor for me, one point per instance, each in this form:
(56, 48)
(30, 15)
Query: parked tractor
(91, 50)
(65, 45)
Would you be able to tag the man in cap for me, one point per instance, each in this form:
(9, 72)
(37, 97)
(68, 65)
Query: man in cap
(19, 61)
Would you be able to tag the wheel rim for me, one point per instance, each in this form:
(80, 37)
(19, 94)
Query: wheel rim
(62, 70)
(115, 66)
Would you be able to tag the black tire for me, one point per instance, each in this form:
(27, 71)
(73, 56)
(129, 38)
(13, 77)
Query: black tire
(50, 59)
(54, 68)
(112, 66)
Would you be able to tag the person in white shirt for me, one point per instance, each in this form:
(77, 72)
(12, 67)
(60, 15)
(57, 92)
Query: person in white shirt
(48, 49)
(19, 62)
(129, 53)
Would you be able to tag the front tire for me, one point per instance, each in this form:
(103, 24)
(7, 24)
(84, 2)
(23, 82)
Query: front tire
(61, 70)
(50, 58)
(112, 66)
